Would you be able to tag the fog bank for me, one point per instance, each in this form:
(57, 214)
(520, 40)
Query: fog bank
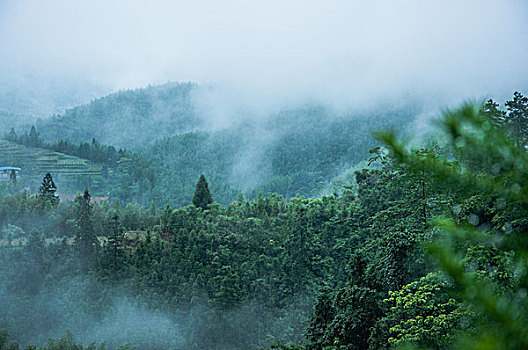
(276, 52)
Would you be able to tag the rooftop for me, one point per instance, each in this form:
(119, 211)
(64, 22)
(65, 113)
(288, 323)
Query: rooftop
(4, 168)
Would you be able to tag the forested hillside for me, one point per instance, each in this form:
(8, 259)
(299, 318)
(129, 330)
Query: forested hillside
(297, 151)
(14, 120)
(126, 119)
(425, 249)
(263, 175)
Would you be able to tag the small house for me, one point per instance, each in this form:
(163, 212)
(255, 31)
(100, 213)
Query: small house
(9, 173)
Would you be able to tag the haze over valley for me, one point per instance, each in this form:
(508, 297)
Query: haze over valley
(299, 175)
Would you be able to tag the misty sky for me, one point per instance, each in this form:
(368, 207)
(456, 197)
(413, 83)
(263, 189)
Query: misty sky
(276, 50)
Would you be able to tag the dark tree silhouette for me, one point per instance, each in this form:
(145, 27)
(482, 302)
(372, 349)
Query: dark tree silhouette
(86, 239)
(518, 117)
(202, 196)
(12, 175)
(47, 190)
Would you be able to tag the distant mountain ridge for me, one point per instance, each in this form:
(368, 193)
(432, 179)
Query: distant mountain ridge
(298, 150)
(128, 119)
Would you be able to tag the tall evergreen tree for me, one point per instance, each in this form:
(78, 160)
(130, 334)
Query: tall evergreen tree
(34, 137)
(518, 117)
(491, 111)
(12, 136)
(86, 239)
(202, 196)
(12, 175)
(114, 242)
(47, 191)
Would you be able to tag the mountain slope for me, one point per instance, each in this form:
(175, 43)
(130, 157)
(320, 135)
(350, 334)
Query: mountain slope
(37, 161)
(128, 119)
(297, 150)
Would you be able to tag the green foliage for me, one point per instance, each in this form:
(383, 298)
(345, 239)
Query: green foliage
(517, 121)
(426, 249)
(491, 112)
(85, 238)
(423, 313)
(485, 256)
(66, 342)
(46, 194)
(243, 274)
(281, 346)
(5, 343)
(297, 151)
(202, 196)
(348, 323)
(125, 118)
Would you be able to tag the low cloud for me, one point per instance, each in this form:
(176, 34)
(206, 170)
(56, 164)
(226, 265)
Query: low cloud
(275, 52)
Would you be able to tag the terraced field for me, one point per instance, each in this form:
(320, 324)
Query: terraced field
(35, 161)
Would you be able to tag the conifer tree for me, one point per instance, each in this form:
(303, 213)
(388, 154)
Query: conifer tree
(202, 196)
(85, 238)
(12, 136)
(34, 137)
(114, 242)
(12, 175)
(518, 117)
(165, 219)
(47, 191)
(491, 111)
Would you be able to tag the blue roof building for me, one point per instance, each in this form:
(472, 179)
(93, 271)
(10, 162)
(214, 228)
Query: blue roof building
(7, 171)
(5, 168)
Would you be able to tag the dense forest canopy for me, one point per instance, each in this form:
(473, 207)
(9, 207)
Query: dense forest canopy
(423, 247)
(152, 145)
(128, 119)
(263, 175)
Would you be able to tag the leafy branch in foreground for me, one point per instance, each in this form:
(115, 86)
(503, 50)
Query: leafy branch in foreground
(492, 166)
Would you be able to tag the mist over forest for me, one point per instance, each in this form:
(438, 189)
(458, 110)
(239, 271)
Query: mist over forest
(299, 175)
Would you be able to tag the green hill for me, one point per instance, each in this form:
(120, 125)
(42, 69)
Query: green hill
(126, 119)
(40, 161)
(72, 174)
(295, 152)
(298, 150)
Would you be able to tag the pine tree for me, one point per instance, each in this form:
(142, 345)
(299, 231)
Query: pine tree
(34, 137)
(86, 240)
(114, 242)
(518, 117)
(12, 136)
(166, 220)
(202, 196)
(46, 195)
(491, 111)
(12, 175)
